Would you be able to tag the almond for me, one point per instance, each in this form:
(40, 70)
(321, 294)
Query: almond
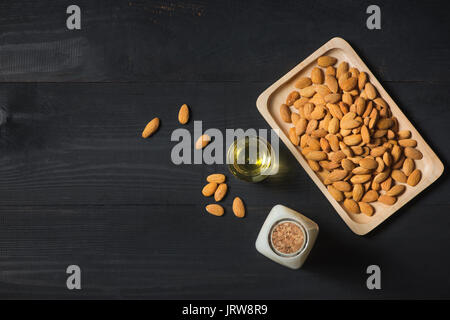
(220, 192)
(216, 177)
(314, 165)
(209, 189)
(332, 98)
(362, 80)
(349, 123)
(365, 135)
(334, 141)
(300, 126)
(183, 114)
(404, 134)
(294, 95)
(396, 153)
(342, 186)
(414, 178)
(398, 176)
(349, 84)
(202, 141)
(387, 199)
(396, 190)
(238, 207)
(316, 155)
(332, 83)
(358, 192)
(413, 153)
(303, 83)
(351, 206)
(370, 196)
(326, 61)
(366, 208)
(293, 136)
(150, 128)
(378, 151)
(380, 102)
(408, 166)
(337, 175)
(386, 184)
(285, 113)
(368, 163)
(335, 193)
(308, 92)
(330, 71)
(215, 209)
(361, 170)
(384, 123)
(318, 113)
(347, 164)
(407, 143)
(317, 75)
(342, 68)
(370, 91)
(352, 140)
(379, 178)
(360, 178)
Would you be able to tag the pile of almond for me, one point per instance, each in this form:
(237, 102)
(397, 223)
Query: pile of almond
(348, 135)
(216, 186)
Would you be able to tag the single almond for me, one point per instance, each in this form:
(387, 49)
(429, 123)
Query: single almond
(209, 189)
(337, 195)
(368, 163)
(294, 95)
(326, 61)
(387, 199)
(358, 192)
(337, 175)
(386, 184)
(316, 155)
(293, 136)
(220, 192)
(379, 178)
(150, 128)
(238, 207)
(351, 206)
(317, 75)
(349, 84)
(396, 190)
(404, 134)
(215, 209)
(303, 83)
(307, 92)
(332, 83)
(216, 177)
(407, 143)
(370, 91)
(362, 80)
(366, 208)
(414, 178)
(285, 113)
(360, 178)
(300, 126)
(399, 176)
(183, 114)
(408, 166)
(413, 153)
(342, 186)
(370, 196)
(202, 141)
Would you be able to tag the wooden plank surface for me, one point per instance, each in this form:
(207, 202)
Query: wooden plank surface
(78, 185)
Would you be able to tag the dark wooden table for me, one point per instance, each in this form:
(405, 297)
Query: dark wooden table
(79, 186)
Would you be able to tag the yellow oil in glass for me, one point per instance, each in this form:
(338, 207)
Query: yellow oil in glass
(250, 158)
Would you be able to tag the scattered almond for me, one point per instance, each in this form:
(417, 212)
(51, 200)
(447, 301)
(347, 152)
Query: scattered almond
(238, 207)
(215, 209)
(150, 128)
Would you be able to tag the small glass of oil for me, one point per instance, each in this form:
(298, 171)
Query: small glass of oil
(250, 158)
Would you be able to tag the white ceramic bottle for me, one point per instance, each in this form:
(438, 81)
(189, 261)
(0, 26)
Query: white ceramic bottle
(280, 214)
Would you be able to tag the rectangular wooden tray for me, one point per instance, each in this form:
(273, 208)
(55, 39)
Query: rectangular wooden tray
(269, 102)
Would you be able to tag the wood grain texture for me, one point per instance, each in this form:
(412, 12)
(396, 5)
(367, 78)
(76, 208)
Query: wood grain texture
(79, 186)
